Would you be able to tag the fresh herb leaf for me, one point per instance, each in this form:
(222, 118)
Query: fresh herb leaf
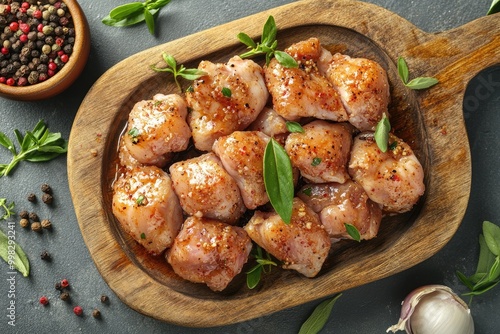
(18, 260)
(382, 133)
(267, 45)
(178, 71)
(319, 317)
(35, 146)
(315, 162)
(226, 92)
(140, 200)
(264, 265)
(353, 232)
(307, 191)
(417, 83)
(7, 208)
(143, 236)
(495, 7)
(134, 13)
(492, 237)
(294, 127)
(278, 179)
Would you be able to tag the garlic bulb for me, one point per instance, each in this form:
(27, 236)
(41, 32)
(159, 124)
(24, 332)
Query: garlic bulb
(434, 309)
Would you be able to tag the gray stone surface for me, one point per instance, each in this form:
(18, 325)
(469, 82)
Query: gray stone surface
(371, 308)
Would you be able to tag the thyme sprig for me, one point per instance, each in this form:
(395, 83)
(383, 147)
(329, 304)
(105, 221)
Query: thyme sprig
(178, 70)
(7, 208)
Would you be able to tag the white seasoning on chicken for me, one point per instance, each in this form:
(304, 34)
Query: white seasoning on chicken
(209, 251)
(241, 154)
(303, 91)
(227, 99)
(303, 245)
(156, 128)
(147, 208)
(394, 179)
(338, 204)
(321, 152)
(205, 189)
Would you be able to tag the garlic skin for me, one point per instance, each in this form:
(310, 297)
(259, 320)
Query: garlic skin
(434, 309)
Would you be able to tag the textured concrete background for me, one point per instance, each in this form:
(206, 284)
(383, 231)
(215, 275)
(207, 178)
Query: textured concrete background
(368, 309)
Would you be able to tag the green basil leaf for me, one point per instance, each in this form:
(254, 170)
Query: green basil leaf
(421, 83)
(253, 276)
(491, 234)
(150, 21)
(319, 317)
(278, 179)
(7, 143)
(16, 260)
(403, 71)
(495, 7)
(307, 191)
(382, 133)
(486, 257)
(353, 232)
(269, 32)
(285, 59)
(316, 161)
(294, 127)
(226, 92)
(245, 39)
(123, 11)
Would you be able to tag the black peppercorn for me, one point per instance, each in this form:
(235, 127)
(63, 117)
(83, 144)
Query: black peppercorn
(32, 197)
(96, 313)
(64, 296)
(46, 188)
(47, 198)
(24, 214)
(34, 217)
(58, 286)
(104, 299)
(45, 256)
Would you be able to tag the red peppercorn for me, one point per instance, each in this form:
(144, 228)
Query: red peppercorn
(3, 79)
(7, 9)
(60, 53)
(51, 73)
(59, 41)
(22, 81)
(37, 14)
(24, 27)
(25, 5)
(44, 300)
(23, 10)
(52, 66)
(5, 51)
(14, 26)
(10, 82)
(23, 38)
(78, 310)
(64, 58)
(64, 283)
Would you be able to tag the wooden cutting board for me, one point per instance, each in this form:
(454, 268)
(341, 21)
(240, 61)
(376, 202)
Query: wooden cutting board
(431, 121)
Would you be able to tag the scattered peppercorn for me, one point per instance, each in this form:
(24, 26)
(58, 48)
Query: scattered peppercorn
(64, 296)
(96, 313)
(46, 224)
(47, 198)
(24, 222)
(104, 299)
(58, 286)
(45, 256)
(64, 283)
(32, 197)
(78, 310)
(44, 300)
(46, 188)
(36, 226)
(34, 217)
(24, 214)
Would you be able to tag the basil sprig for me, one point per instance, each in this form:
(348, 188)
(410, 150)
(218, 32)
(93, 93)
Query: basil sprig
(495, 7)
(35, 146)
(319, 317)
(14, 255)
(487, 274)
(178, 71)
(267, 45)
(382, 133)
(417, 83)
(264, 265)
(278, 179)
(135, 12)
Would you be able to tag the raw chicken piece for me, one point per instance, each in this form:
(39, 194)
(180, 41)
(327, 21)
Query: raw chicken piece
(209, 251)
(321, 153)
(205, 189)
(303, 91)
(338, 204)
(363, 87)
(157, 127)
(242, 154)
(147, 208)
(302, 245)
(127, 161)
(271, 124)
(394, 179)
(214, 112)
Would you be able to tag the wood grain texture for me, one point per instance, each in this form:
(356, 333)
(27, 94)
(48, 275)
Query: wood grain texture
(431, 121)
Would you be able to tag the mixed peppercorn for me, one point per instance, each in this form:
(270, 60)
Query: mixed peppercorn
(37, 38)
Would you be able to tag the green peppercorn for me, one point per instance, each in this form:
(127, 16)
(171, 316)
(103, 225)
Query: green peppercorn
(46, 49)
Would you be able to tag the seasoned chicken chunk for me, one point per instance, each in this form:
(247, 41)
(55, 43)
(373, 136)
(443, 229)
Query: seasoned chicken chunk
(156, 128)
(205, 189)
(242, 154)
(394, 179)
(209, 251)
(321, 152)
(338, 204)
(303, 91)
(147, 208)
(271, 124)
(228, 98)
(363, 87)
(302, 245)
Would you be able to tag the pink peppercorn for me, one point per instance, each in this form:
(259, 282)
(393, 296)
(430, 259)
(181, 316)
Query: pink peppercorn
(14, 26)
(3, 79)
(44, 300)
(64, 283)
(25, 5)
(52, 66)
(5, 51)
(10, 82)
(78, 310)
(25, 28)
(37, 14)
(23, 38)
(64, 58)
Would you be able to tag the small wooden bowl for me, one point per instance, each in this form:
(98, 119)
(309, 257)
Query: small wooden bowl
(70, 71)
